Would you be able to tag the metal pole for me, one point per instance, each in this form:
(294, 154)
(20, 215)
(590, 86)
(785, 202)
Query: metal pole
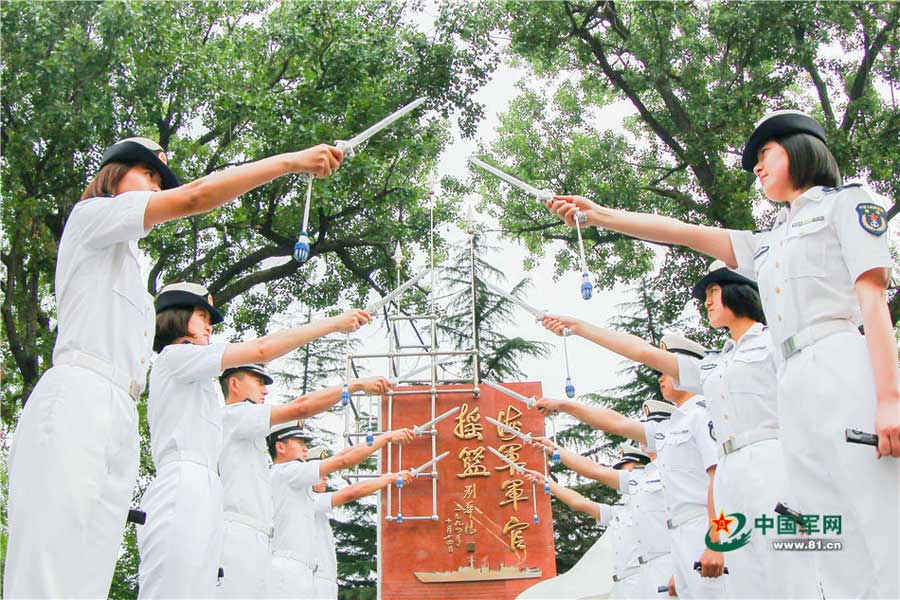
(474, 323)
(415, 354)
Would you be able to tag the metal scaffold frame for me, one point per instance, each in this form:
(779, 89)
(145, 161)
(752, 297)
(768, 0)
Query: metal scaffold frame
(357, 423)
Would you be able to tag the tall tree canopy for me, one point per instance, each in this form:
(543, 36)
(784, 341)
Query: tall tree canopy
(696, 76)
(220, 83)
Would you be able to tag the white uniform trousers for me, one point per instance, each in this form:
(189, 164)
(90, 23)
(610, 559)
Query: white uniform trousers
(246, 561)
(824, 389)
(325, 588)
(655, 573)
(72, 469)
(752, 481)
(181, 543)
(688, 544)
(290, 578)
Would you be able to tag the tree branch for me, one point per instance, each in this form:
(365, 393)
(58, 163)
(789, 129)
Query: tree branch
(808, 61)
(861, 79)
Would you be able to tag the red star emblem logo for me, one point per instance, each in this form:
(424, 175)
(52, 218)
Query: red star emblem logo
(722, 523)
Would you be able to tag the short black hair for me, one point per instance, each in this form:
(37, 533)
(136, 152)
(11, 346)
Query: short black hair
(224, 379)
(171, 324)
(811, 163)
(742, 300)
(270, 443)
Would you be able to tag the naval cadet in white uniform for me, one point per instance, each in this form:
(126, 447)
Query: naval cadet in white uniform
(624, 476)
(650, 514)
(181, 543)
(74, 459)
(244, 469)
(686, 452)
(293, 556)
(323, 502)
(823, 270)
(739, 383)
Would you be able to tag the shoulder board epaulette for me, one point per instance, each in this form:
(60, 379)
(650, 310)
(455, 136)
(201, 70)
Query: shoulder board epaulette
(830, 190)
(763, 230)
(713, 352)
(701, 403)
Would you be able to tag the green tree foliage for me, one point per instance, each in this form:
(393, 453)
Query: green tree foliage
(696, 77)
(499, 355)
(218, 84)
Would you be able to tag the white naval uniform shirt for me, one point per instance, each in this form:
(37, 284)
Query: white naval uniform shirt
(685, 446)
(649, 509)
(619, 521)
(629, 486)
(739, 382)
(185, 407)
(244, 461)
(807, 264)
(103, 308)
(325, 556)
(294, 509)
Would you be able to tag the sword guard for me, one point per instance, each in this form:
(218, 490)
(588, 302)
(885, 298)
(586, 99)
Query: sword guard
(544, 195)
(345, 147)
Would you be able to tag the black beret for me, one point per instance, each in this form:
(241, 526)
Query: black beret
(141, 150)
(775, 125)
(719, 273)
(187, 294)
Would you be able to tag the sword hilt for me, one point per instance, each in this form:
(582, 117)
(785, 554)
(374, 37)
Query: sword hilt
(345, 147)
(136, 516)
(698, 567)
(855, 436)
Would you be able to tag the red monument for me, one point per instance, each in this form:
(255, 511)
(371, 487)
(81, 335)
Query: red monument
(479, 530)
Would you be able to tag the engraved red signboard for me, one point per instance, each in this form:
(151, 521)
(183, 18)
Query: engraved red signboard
(485, 542)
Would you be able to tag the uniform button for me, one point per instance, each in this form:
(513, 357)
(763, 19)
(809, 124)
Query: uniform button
(777, 264)
(777, 291)
(779, 317)
(145, 333)
(142, 358)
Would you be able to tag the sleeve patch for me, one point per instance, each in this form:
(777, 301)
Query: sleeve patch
(871, 218)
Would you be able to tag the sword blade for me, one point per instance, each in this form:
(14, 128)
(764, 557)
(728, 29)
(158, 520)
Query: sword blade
(528, 401)
(437, 419)
(374, 306)
(524, 436)
(385, 122)
(518, 468)
(418, 370)
(538, 314)
(527, 188)
(434, 460)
